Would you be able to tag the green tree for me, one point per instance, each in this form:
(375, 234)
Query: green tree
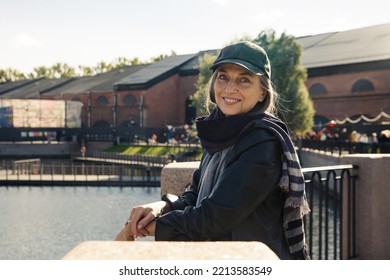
(124, 61)
(61, 70)
(39, 72)
(103, 67)
(200, 97)
(289, 76)
(11, 75)
(136, 61)
(85, 71)
(3, 76)
(162, 56)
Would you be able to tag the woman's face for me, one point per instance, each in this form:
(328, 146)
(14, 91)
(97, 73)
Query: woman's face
(236, 89)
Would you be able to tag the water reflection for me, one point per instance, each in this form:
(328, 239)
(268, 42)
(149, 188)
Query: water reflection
(45, 223)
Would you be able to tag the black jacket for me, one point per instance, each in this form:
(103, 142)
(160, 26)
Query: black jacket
(246, 204)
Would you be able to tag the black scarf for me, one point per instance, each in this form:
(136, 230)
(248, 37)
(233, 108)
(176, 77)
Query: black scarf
(217, 132)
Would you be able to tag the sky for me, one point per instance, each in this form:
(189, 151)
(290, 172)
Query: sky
(37, 33)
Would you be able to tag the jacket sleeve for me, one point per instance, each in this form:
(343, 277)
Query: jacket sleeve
(252, 172)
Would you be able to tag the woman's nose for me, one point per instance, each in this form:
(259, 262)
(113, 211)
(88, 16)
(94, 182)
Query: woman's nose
(230, 87)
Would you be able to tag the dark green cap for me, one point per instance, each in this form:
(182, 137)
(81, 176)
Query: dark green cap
(245, 54)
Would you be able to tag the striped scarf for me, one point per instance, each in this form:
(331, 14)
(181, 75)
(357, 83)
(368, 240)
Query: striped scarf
(293, 183)
(292, 179)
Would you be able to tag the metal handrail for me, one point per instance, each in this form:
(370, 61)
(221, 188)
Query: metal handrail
(327, 188)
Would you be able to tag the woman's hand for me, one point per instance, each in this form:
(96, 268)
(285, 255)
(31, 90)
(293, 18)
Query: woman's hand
(141, 216)
(125, 234)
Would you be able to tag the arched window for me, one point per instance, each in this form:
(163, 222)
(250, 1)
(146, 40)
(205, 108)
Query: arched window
(101, 100)
(317, 89)
(362, 85)
(129, 99)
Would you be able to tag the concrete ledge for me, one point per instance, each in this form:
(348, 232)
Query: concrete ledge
(176, 176)
(165, 250)
(372, 205)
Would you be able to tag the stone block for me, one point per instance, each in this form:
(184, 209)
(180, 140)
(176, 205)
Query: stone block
(176, 176)
(168, 250)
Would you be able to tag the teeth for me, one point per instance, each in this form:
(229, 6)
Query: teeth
(231, 99)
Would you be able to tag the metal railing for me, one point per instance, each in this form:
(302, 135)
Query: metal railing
(330, 192)
(62, 174)
(343, 147)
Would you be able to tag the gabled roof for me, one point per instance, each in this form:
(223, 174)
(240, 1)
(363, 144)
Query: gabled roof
(191, 67)
(98, 83)
(153, 73)
(10, 86)
(34, 88)
(347, 47)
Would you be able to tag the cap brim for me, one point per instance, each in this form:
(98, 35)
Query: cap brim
(250, 67)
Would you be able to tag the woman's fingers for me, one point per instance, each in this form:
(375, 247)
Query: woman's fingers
(124, 235)
(139, 218)
(135, 216)
(146, 220)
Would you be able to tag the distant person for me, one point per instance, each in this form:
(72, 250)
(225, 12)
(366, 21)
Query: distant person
(384, 142)
(249, 186)
(83, 151)
(172, 158)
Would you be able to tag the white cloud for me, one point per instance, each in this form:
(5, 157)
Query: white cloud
(26, 40)
(267, 17)
(221, 2)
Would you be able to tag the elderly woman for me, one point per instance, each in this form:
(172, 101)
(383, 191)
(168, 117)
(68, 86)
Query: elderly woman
(249, 185)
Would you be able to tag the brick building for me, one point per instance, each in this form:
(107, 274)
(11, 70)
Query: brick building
(349, 72)
(348, 75)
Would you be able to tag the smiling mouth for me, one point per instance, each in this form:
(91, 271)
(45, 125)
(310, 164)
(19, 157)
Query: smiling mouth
(230, 100)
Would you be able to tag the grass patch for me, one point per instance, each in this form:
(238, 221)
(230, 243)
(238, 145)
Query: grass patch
(154, 150)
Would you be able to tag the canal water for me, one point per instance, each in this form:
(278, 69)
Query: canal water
(45, 223)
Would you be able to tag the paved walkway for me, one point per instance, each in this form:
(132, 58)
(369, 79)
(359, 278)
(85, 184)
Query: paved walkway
(7, 178)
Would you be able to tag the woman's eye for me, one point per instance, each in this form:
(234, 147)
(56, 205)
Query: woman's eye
(222, 77)
(244, 80)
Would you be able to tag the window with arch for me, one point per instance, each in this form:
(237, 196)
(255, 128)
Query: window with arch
(129, 99)
(317, 89)
(102, 100)
(362, 85)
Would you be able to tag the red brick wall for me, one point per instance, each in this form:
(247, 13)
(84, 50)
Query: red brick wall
(164, 103)
(340, 101)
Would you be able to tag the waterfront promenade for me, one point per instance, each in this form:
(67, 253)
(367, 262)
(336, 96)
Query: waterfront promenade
(7, 178)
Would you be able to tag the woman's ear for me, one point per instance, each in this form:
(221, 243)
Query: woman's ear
(262, 95)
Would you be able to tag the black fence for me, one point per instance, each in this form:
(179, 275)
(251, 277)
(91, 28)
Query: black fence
(331, 196)
(79, 174)
(340, 147)
(132, 134)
